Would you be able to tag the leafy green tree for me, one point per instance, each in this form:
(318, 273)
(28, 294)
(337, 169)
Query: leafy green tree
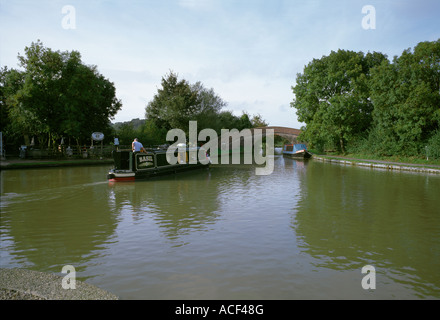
(173, 105)
(433, 147)
(60, 96)
(4, 119)
(126, 133)
(179, 102)
(209, 105)
(245, 121)
(152, 135)
(145, 130)
(332, 98)
(22, 122)
(227, 120)
(258, 121)
(406, 97)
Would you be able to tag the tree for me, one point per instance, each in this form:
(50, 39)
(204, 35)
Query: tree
(332, 98)
(61, 96)
(178, 102)
(153, 135)
(209, 105)
(406, 97)
(4, 119)
(258, 121)
(227, 120)
(126, 133)
(245, 121)
(22, 121)
(173, 105)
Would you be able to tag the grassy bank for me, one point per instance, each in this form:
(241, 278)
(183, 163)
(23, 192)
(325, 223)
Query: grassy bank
(416, 161)
(407, 160)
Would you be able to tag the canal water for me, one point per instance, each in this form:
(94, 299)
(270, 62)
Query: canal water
(304, 232)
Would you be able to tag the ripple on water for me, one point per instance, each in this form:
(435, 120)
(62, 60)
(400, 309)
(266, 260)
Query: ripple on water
(303, 232)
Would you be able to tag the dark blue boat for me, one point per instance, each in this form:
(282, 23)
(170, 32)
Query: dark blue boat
(297, 151)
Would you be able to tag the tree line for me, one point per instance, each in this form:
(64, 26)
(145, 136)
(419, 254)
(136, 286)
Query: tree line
(353, 102)
(176, 103)
(54, 96)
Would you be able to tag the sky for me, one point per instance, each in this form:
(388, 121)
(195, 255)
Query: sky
(248, 51)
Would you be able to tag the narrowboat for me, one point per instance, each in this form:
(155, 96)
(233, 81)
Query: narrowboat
(297, 151)
(132, 166)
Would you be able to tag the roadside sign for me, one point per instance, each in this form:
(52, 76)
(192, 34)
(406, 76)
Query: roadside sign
(97, 136)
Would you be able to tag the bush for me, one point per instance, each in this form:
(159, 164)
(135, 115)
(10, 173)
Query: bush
(434, 146)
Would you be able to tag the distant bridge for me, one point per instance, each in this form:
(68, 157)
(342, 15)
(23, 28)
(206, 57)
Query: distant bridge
(289, 134)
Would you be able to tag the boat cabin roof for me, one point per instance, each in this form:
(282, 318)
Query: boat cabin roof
(295, 147)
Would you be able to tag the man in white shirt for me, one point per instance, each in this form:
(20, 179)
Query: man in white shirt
(136, 146)
(116, 143)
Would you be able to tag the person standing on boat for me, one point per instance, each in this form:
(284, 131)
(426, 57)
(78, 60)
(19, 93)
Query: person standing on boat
(136, 146)
(116, 143)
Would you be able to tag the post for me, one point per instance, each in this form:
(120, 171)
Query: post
(1, 146)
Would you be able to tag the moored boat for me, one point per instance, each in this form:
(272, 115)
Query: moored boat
(131, 166)
(297, 151)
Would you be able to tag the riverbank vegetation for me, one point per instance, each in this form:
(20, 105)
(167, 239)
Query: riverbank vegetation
(366, 157)
(364, 104)
(176, 103)
(54, 95)
(55, 100)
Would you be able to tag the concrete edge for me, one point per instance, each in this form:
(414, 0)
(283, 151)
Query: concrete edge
(379, 165)
(23, 284)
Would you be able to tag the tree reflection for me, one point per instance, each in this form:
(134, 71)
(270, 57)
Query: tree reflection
(349, 217)
(179, 204)
(54, 217)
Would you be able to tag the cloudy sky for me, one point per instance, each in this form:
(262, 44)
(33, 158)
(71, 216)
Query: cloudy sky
(248, 51)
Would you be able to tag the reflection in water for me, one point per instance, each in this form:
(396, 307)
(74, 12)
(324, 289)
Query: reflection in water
(190, 204)
(305, 231)
(350, 217)
(51, 218)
